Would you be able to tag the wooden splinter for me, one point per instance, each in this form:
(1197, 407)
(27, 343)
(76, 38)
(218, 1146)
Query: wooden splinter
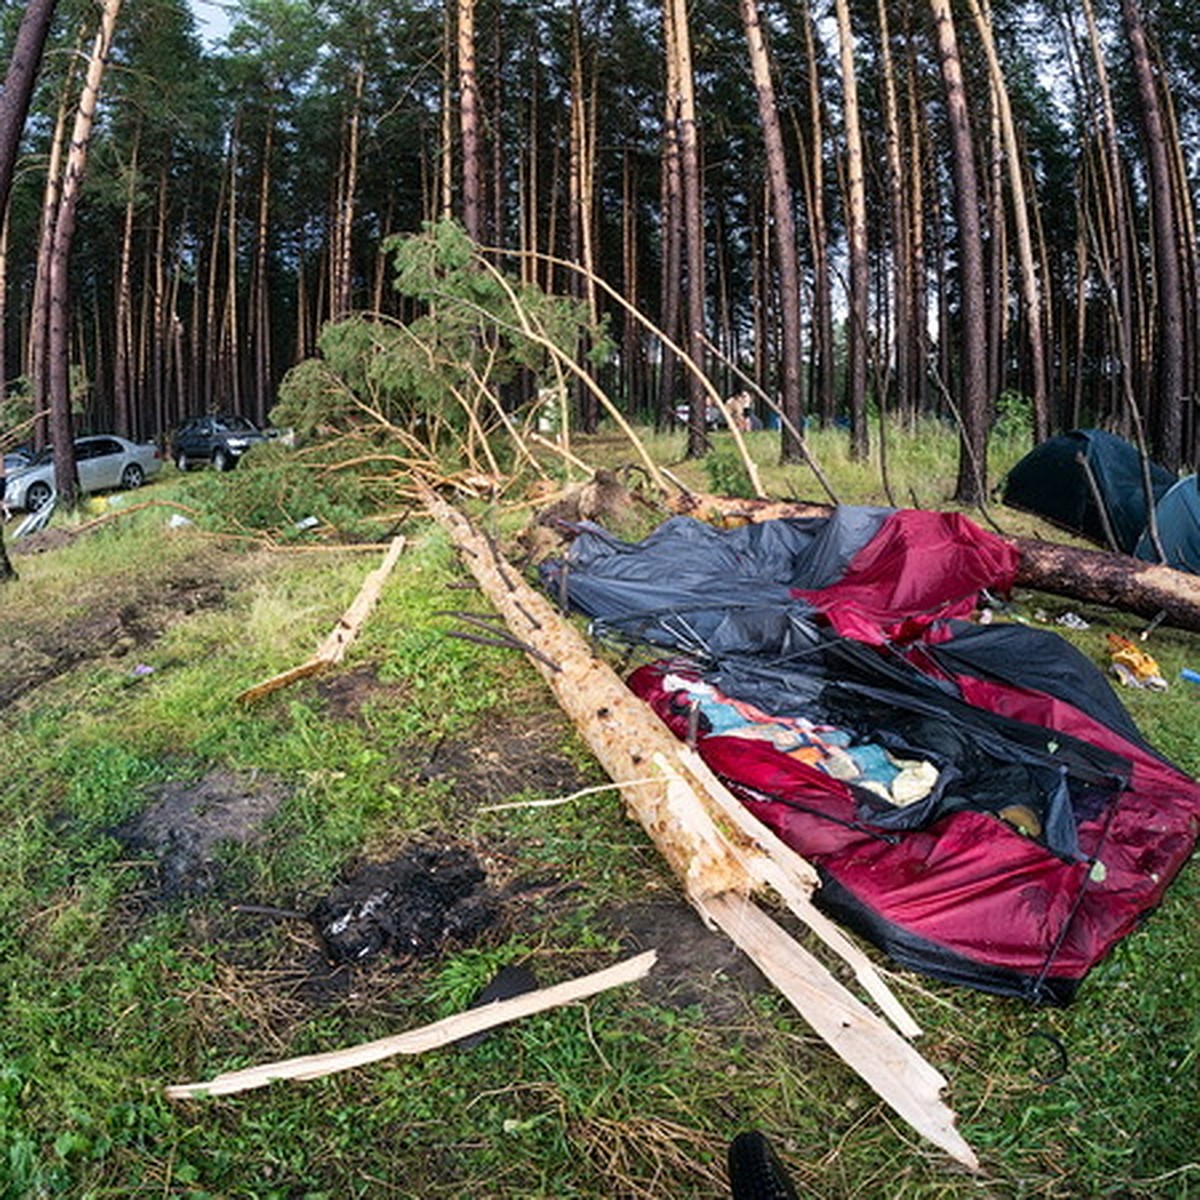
(427, 1037)
(333, 649)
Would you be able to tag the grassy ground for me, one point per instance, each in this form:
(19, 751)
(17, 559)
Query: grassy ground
(127, 964)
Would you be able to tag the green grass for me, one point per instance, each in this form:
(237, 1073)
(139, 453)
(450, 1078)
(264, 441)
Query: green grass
(112, 991)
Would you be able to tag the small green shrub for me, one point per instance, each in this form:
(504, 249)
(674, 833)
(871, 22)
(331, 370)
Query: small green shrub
(275, 489)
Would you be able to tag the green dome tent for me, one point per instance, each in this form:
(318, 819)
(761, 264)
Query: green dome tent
(1178, 517)
(1052, 482)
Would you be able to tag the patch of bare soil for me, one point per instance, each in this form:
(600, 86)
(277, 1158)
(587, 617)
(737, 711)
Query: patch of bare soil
(696, 966)
(344, 693)
(187, 823)
(513, 752)
(114, 624)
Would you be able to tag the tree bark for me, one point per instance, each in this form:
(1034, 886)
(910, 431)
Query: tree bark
(1031, 295)
(468, 104)
(856, 223)
(785, 225)
(59, 365)
(19, 79)
(1166, 415)
(693, 226)
(973, 397)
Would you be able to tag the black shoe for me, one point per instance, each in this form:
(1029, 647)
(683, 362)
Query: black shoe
(755, 1172)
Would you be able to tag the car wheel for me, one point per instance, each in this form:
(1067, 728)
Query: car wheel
(37, 496)
(181, 460)
(133, 476)
(222, 459)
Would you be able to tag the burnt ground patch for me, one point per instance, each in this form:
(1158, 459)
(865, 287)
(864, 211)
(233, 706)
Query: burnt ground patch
(186, 824)
(412, 906)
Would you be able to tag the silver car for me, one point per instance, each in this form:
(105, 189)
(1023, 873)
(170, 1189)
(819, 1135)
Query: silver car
(104, 462)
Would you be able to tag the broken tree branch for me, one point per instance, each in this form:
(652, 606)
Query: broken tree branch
(333, 649)
(716, 848)
(427, 1037)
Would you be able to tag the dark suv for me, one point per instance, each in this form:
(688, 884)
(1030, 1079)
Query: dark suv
(218, 440)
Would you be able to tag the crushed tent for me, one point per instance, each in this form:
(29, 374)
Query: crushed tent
(975, 799)
(1082, 479)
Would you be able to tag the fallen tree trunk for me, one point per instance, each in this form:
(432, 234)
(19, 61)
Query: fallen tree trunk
(1093, 576)
(717, 849)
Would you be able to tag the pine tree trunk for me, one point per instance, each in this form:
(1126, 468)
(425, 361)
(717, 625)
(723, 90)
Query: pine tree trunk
(1167, 412)
(693, 227)
(672, 225)
(784, 240)
(468, 103)
(58, 341)
(1031, 297)
(857, 333)
(973, 403)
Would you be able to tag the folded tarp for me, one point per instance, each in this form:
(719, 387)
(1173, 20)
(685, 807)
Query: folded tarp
(1044, 827)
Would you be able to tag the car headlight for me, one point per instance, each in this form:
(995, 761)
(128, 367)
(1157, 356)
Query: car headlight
(238, 443)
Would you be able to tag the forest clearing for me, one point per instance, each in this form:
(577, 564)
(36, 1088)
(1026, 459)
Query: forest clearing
(567, 678)
(173, 850)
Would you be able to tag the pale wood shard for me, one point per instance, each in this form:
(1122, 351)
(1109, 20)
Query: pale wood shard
(333, 649)
(714, 845)
(427, 1037)
(896, 1072)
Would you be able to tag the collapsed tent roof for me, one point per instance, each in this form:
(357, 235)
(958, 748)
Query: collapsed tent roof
(975, 798)
(1052, 480)
(1177, 515)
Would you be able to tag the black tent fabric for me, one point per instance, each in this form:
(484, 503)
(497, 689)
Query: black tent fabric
(1178, 518)
(1052, 481)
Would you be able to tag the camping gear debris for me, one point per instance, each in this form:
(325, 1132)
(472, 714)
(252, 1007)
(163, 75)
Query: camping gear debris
(515, 979)
(1091, 576)
(427, 1037)
(1072, 620)
(333, 649)
(717, 849)
(1133, 666)
(1054, 827)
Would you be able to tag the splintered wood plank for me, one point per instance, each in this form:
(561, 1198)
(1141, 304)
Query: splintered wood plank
(884, 1060)
(333, 649)
(427, 1037)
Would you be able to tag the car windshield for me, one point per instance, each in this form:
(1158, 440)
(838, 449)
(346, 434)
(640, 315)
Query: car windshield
(238, 425)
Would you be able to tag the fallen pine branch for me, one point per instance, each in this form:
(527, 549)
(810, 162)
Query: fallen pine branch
(333, 649)
(1093, 576)
(718, 850)
(427, 1037)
